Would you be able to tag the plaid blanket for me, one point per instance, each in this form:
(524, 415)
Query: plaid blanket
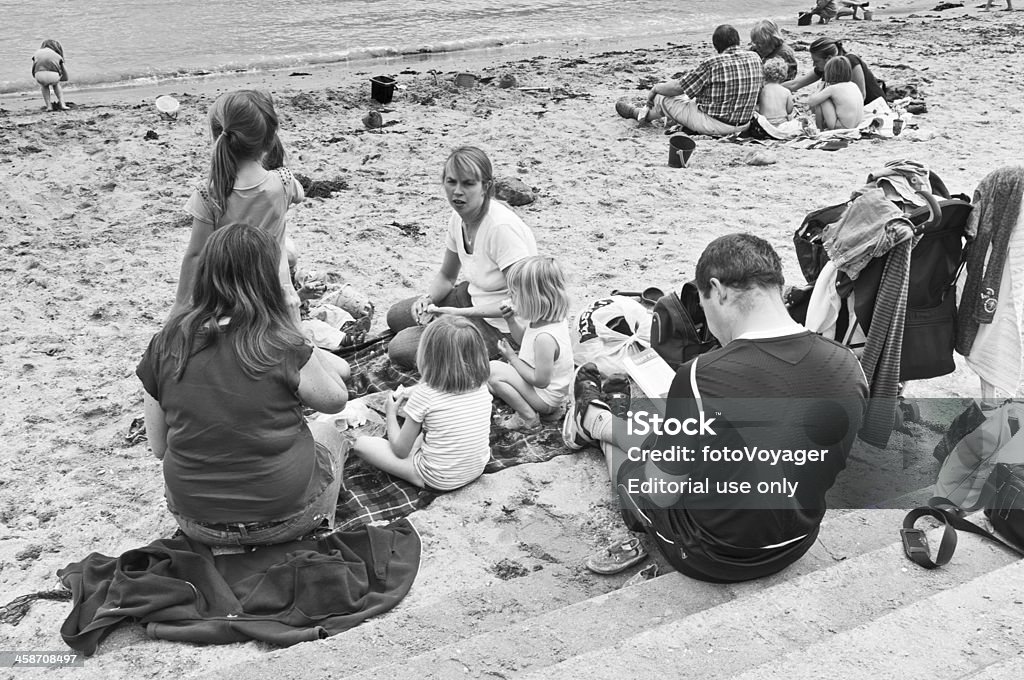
(372, 371)
(371, 495)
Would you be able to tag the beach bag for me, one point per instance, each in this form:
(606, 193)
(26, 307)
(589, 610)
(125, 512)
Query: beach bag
(1005, 508)
(679, 329)
(996, 439)
(610, 329)
(1003, 500)
(984, 470)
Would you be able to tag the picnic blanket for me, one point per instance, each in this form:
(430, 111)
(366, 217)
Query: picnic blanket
(372, 496)
(878, 123)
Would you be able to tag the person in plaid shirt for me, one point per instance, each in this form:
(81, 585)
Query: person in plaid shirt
(716, 98)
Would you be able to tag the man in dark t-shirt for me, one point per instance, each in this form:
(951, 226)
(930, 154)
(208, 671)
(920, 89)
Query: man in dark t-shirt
(738, 492)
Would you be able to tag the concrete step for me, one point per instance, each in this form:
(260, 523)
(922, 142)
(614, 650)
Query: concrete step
(551, 529)
(967, 630)
(1001, 670)
(762, 623)
(496, 615)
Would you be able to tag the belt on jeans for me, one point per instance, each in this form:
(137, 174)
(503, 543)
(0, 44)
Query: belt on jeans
(239, 527)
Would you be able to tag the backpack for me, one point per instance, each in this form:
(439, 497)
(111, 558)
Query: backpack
(679, 329)
(982, 470)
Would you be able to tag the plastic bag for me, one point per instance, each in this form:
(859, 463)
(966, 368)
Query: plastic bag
(610, 329)
(998, 439)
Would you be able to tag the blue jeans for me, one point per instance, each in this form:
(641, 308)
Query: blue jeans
(402, 348)
(330, 446)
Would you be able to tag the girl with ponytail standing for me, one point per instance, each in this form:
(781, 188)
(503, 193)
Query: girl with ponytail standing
(240, 188)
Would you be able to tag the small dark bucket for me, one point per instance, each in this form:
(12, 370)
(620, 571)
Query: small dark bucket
(382, 88)
(680, 148)
(804, 19)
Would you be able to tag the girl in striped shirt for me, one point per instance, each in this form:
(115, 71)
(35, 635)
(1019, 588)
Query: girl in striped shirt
(444, 442)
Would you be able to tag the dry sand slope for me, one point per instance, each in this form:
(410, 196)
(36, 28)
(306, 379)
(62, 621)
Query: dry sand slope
(93, 231)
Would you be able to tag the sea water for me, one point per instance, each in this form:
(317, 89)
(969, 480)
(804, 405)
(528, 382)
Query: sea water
(108, 42)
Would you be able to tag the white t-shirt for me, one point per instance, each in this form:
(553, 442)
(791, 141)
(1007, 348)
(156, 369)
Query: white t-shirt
(456, 434)
(502, 240)
(557, 391)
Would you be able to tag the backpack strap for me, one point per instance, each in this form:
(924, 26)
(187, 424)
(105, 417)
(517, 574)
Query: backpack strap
(915, 547)
(693, 385)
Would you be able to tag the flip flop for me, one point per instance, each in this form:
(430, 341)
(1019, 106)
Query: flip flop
(619, 556)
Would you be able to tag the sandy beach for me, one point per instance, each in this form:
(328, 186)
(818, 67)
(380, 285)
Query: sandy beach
(91, 204)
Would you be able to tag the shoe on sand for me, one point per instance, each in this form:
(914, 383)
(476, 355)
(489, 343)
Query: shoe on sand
(619, 556)
(645, 574)
(587, 390)
(626, 110)
(617, 394)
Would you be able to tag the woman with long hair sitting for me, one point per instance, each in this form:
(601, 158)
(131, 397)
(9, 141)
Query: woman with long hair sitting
(225, 382)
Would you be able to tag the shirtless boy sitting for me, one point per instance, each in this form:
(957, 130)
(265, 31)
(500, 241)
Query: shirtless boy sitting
(775, 102)
(839, 104)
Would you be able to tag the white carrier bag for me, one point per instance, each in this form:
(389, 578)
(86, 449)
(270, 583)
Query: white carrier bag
(609, 330)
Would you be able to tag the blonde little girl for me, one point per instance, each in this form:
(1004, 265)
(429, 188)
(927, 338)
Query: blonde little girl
(444, 443)
(535, 382)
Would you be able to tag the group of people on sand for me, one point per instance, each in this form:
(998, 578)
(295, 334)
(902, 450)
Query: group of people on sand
(227, 377)
(721, 94)
(249, 469)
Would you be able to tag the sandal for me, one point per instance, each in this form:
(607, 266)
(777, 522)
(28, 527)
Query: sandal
(645, 574)
(617, 557)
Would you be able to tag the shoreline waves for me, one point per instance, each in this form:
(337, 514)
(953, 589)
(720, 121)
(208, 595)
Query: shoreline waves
(128, 40)
(17, 82)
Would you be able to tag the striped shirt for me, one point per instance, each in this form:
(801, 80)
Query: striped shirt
(726, 86)
(456, 435)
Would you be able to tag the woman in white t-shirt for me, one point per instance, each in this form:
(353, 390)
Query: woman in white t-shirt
(483, 240)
